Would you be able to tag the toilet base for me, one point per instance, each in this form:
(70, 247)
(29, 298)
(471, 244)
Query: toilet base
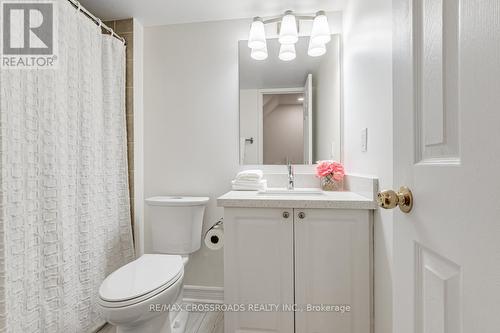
(160, 324)
(180, 321)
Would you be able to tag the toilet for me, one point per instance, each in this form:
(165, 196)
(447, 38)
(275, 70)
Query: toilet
(137, 298)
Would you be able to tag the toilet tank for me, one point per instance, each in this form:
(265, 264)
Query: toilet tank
(176, 223)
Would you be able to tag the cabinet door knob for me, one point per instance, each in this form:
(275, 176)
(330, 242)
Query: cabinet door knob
(302, 215)
(286, 215)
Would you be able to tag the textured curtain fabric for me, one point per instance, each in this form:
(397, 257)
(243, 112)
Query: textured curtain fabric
(65, 217)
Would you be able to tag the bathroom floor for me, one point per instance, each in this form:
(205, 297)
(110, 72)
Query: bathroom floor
(198, 322)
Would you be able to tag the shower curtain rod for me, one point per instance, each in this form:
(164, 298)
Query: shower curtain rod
(95, 19)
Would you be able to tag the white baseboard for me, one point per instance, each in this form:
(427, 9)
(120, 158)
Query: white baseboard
(203, 294)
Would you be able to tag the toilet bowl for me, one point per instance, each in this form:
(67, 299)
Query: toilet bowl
(139, 297)
(136, 297)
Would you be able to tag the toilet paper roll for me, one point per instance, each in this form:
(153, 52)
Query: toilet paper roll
(214, 238)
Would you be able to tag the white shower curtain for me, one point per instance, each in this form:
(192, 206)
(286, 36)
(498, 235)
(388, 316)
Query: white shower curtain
(65, 214)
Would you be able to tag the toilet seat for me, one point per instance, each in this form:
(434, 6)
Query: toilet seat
(140, 280)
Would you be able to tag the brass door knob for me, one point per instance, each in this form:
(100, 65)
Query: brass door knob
(389, 199)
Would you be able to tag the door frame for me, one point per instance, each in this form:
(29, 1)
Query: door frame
(260, 106)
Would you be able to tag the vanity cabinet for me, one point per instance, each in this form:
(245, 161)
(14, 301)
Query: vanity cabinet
(286, 256)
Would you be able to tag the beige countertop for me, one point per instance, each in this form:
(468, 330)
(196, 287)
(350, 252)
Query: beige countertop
(328, 200)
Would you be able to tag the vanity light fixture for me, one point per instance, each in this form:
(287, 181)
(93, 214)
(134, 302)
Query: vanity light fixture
(287, 52)
(257, 38)
(320, 33)
(316, 49)
(289, 35)
(259, 54)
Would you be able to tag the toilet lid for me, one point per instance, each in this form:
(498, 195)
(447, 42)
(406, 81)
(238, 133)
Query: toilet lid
(141, 276)
(177, 201)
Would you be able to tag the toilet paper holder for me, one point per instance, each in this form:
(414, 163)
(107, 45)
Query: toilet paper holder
(218, 224)
(213, 236)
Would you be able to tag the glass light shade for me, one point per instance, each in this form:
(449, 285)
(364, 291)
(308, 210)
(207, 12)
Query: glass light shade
(257, 36)
(288, 30)
(316, 50)
(259, 54)
(287, 52)
(320, 33)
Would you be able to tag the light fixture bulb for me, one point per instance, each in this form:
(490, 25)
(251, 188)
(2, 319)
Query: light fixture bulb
(259, 54)
(316, 49)
(288, 30)
(257, 36)
(320, 33)
(287, 52)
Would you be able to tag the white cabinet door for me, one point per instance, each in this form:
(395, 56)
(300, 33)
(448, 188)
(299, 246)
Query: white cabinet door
(333, 266)
(258, 268)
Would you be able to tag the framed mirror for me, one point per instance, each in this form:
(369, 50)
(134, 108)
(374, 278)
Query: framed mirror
(290, 111)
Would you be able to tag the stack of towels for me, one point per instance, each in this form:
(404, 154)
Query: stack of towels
(249, 180)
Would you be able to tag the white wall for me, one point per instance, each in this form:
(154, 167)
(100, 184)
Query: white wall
(191, 120)
(368, 104)
(327, 104)
(249, 123)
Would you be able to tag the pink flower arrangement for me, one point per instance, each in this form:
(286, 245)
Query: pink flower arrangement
(331, 169)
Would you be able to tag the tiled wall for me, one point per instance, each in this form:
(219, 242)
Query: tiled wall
(125, 28)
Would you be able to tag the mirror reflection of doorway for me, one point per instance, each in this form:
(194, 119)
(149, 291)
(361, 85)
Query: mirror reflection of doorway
(283, 135)
(286, 125)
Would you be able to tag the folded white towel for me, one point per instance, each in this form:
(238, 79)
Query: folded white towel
(250, 175)
(239, 185)
(247, 182)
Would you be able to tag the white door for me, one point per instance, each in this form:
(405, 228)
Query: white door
(332, 266)
(447, 150)
(258, 268)
(308, 119)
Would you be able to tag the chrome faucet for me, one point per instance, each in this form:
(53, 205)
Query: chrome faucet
(291, 177)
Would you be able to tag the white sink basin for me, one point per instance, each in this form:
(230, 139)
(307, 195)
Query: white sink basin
(296, 191)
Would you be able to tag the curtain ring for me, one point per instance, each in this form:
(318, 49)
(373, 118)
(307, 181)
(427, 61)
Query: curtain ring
(78, 6)
(99, 22)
